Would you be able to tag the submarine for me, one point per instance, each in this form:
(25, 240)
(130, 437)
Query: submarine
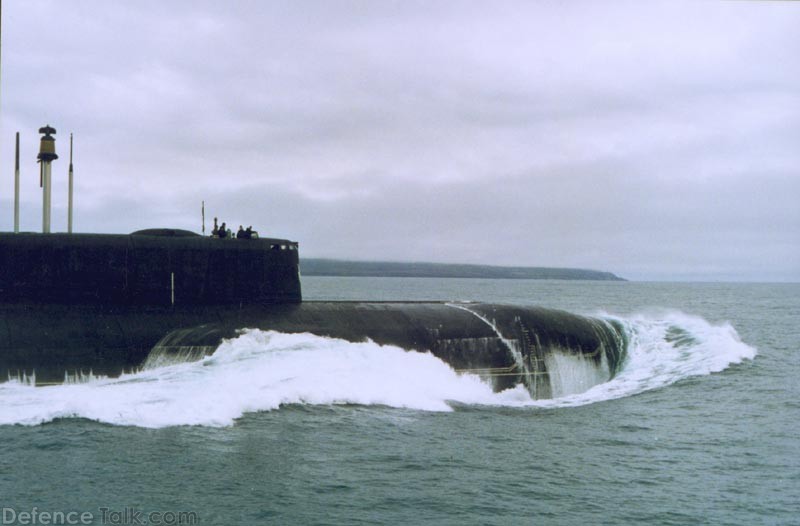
(75, 304)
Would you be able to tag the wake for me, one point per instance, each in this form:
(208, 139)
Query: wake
(266, 370)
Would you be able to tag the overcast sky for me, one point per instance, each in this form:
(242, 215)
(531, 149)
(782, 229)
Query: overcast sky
(653, 140)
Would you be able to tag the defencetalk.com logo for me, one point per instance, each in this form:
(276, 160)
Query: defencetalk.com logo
(126, 516)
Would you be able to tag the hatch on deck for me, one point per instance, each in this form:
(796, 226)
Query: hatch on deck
(165, 232)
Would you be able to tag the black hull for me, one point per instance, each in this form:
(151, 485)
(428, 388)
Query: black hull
(506, 344)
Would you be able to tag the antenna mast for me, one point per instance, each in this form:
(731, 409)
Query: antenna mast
(69, 205)
(47, 154)
(16, 186)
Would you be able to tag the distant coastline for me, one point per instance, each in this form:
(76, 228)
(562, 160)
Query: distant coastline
(336, 267)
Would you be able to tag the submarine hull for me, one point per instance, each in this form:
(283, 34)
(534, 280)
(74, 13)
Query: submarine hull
(74, 304)
(505, 344)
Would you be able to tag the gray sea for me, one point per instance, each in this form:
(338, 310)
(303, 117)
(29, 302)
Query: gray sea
(700, 426)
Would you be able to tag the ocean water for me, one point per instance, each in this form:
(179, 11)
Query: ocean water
(700, 426)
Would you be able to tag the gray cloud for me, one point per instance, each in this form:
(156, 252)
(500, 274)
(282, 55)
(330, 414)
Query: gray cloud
(657, 141)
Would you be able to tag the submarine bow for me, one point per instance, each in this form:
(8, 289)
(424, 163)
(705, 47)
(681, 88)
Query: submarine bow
(551, 353)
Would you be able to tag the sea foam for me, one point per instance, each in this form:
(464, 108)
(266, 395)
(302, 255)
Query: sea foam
(266, 370)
